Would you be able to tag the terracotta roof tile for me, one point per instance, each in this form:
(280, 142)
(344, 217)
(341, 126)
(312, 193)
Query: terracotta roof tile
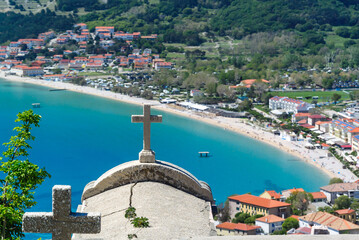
(345, 211)
(330, 221)
(295, 216)
(258, 201)
(274, 194)
(318, 195)
(237, 226)
(270, 219)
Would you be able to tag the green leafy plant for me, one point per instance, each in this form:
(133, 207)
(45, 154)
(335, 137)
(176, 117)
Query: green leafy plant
(140, 222)
(19, 177)
(130, 213)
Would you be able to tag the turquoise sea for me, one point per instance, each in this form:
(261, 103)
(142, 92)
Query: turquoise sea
(82, 136)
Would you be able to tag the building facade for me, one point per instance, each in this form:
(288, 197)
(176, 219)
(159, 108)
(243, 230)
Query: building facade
(254, 205)
(270, 223)
(289, 105)
(227, 229)
(336, 190)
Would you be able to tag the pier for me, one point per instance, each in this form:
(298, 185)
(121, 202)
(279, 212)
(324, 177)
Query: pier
(57, 89)
(203, 154)
(36, 105)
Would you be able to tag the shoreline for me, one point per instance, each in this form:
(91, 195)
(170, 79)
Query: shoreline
(239, 126)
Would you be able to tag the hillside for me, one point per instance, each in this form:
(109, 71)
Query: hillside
(181, 20)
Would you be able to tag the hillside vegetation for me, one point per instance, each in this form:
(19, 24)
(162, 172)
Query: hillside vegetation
(235, 39)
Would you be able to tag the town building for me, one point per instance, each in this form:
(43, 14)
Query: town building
(163, 65)
(319, 197)
(336, 190)
(335, 225)
(289, 104)
(270, 223)
(271, 194)
(346, 214)
(300, 231)
(26, 71)
(195, 93)
(254, 205)
(299, 117)
(343, 130)
(323, 126)
(355, 143)
(227, 228)
(312, 119)
(81, 26)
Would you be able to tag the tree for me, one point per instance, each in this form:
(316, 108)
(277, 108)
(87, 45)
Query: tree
(299, 201)
(335, 180)
(343, 202)
(326, 209)
(224, 211)
(336, 97)
(290, 223)
(20, 177)
(245, 105)
(355, 205)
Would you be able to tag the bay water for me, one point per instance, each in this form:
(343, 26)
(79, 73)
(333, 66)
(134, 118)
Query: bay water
(82, 136)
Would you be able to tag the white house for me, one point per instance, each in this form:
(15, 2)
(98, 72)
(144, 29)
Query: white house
(195, 93)
(270, 223)
(336, 190)
(288, 104)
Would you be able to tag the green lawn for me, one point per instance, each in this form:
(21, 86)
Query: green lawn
(322, 96)
(262, 108)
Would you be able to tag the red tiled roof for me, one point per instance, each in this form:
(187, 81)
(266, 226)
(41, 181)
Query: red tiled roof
(258, 201)
(24, 67)
(317, 116)
(237, 226)
(295, 216)
(344, 211)
(251, 81)
(270, 219)
(303, 121)
(322, 122)
(318, 195)
(307, 126)
(274, 194)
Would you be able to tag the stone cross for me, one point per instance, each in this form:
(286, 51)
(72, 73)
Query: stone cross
(61, 222)
(147, 155)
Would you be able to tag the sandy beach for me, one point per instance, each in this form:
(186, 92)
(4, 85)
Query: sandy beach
(317, 157)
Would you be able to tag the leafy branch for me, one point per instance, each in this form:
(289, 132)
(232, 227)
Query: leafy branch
(20, 177)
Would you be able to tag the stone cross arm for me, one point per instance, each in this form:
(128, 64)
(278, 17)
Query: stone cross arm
(140, 118)
(44, 222)
(61, 222)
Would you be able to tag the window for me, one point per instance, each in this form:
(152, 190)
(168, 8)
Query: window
(237, 208)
